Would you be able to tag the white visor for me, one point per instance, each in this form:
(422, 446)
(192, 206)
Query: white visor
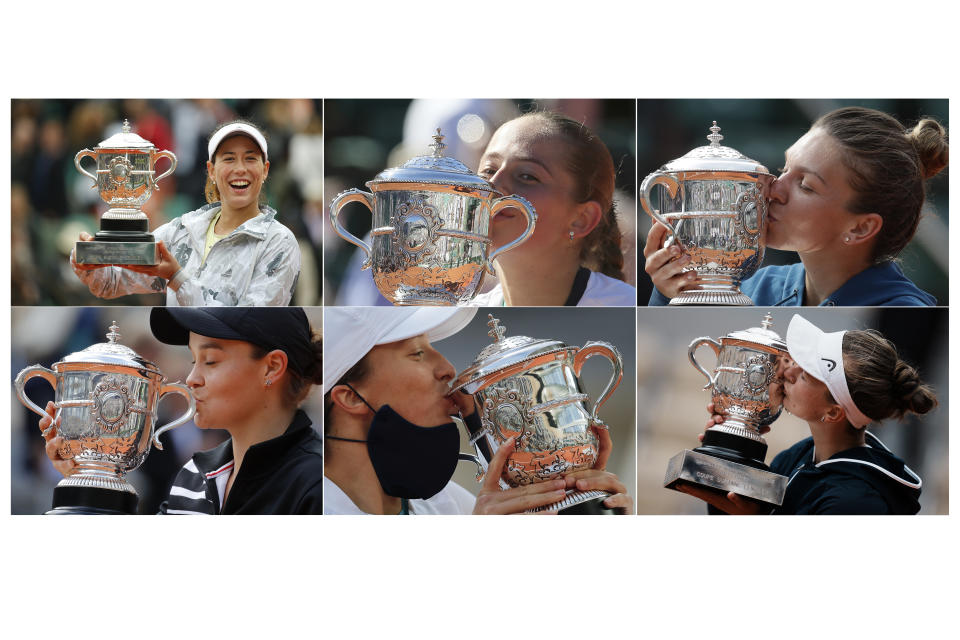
(349, 333)
(233, 129)
(821, 355)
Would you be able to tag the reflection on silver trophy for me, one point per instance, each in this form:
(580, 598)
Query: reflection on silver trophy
(106, 400)
(125, 180)
(530, 389)
(715, 209)
(431, 229)
(747, 389)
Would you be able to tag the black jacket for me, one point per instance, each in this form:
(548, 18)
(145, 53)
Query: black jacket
(279, 476)
(862, 480)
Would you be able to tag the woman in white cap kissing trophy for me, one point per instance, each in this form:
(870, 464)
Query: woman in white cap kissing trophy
(391, 446)
(839, 383)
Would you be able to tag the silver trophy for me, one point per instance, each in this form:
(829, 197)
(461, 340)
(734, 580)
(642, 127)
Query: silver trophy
(747, 389)
(715, 209)
(530, 389)
(106, 397)
(125, 180)
(431, 229)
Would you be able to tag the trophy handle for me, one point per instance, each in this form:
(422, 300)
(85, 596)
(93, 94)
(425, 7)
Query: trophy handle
(609, 352)
(351, 195)
(182, 389)
(173, 165)
(529, 213)
(646, 188)
(86, 153)
(692, 349)
(469, 457)
(21, 381)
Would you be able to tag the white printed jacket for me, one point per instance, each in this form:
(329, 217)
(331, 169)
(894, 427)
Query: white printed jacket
(256, 264)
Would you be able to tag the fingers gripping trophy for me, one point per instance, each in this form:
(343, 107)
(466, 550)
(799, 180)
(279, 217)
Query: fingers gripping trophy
(529, 389)
(125, 179)
(106, 400)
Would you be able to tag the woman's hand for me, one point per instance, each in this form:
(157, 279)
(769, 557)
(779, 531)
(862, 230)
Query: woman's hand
(49, 431)
(731, 503)
(492, 499)
(716, 418)
(665, 265)
(599, 480)
(166, 269)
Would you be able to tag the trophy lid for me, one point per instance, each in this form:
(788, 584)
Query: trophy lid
(126, 139)
(110, 353)
(762, 335)
(434, 169)
(504, 352)
(715, 157)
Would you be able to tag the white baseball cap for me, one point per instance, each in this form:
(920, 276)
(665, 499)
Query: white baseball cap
(236, 128)
(821, 355)
(349, 333)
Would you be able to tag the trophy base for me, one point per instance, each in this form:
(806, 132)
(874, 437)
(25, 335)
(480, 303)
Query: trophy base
(722, 475)
(75, 500)
(712, 297)
(745, 451)
(118, 247)
(579, 503)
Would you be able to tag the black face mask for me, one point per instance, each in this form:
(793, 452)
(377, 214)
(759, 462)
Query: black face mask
(410, 461)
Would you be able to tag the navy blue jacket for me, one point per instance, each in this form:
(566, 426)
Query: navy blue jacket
(783, 286)
(862, 480)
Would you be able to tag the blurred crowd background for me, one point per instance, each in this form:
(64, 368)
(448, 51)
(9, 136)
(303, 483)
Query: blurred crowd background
(364, 137)
(671, 402)
(47, 335)
(51, 202)
(764, 130)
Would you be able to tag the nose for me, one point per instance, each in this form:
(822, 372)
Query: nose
(499, 181)
(445, 370)
(777, 191)
(791, 371)
(193, 378)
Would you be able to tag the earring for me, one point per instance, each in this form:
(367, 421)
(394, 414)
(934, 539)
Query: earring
(268, 383)
(846, 238)
(823, 418)
(571, 236)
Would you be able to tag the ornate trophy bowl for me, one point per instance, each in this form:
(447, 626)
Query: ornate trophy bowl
(714, 207)
(106, 397)
(530, 389)
(125, 180)
(431, 229)
(747, 390)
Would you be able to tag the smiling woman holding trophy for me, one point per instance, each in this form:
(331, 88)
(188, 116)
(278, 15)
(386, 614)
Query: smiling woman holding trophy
(231, 252)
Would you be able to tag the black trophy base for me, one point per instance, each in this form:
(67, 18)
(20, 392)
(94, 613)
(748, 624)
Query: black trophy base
(68, 501)
(734, 448)
(723, 476)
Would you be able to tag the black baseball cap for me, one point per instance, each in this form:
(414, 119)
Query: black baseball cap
(284, 328)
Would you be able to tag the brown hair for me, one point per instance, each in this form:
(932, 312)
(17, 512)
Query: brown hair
(298, 385)
(888, 167)
(210, 191)
(881, 384)
(591, 165)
